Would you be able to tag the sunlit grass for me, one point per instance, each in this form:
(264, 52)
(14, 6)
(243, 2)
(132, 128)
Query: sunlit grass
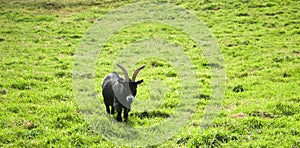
(259, 41)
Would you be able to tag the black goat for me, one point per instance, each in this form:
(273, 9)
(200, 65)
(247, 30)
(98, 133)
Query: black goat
(119, 93)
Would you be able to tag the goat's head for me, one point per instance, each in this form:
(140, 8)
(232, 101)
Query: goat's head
(125, 89)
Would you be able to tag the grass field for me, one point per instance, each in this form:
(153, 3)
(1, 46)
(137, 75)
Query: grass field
(259, 40)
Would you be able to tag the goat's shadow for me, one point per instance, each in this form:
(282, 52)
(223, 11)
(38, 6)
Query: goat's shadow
(150, 114)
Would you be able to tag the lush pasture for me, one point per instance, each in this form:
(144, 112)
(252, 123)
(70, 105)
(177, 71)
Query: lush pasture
(260, 42)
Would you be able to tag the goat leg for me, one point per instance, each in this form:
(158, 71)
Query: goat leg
(126, 114)
(119, 117)
(107, 108)
(112, 110)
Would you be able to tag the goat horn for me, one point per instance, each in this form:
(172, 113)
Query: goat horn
(124, 71)
(136, 73)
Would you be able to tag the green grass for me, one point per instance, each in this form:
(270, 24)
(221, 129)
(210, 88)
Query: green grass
(260, 42)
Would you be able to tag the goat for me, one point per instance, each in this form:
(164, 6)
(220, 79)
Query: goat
(119, 93)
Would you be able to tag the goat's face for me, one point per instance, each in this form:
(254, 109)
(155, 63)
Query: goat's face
(126, 91)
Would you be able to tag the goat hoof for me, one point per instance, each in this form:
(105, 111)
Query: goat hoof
(119, 120)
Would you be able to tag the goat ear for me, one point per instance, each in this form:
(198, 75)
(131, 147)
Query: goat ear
(139, 82)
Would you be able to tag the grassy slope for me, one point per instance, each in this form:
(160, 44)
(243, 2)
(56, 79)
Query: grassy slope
(259, 41)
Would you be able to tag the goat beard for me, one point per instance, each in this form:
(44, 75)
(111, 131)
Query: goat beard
(127, 104)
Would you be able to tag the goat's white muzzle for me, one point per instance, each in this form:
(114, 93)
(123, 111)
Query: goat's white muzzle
(130, 98)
